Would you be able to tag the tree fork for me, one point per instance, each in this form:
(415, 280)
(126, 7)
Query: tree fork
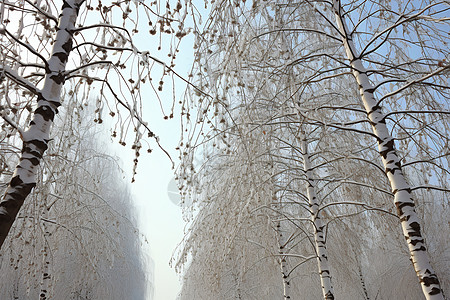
(410, 221)
(36, 138)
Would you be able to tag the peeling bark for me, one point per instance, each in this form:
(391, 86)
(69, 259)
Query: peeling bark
(400, 187)
(319, 237)
(36, 138)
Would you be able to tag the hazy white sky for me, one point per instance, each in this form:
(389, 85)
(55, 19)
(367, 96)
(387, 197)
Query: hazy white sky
(160, 219)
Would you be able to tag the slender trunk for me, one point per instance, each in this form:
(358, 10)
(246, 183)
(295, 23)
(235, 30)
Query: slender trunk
(46, 281)
(35, 139)
(280, 230)
(319, 238)
(16, 286)
(363, 284)
(400, 187)
(238, 286)
(283, 263)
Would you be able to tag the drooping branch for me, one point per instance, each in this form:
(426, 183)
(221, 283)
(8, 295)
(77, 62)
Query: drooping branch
(36, 137)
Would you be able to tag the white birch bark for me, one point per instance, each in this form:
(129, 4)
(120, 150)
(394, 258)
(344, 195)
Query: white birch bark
(35, 139)
(46, 277)
(319, 238)
(283, 263)
(411, 224)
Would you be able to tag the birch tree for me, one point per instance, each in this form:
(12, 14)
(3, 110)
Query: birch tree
(88, 49)
(411, 224)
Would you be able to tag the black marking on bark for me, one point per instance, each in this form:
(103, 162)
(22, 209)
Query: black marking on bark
(435, 291)
(6, 218)
(400, 212)
(15, 181)
(56, 104)
(399, 190)
(416, 229)
(429, 278)
(398, 167)
(67, 46)
(62, 56)
(41, 145)
(26, 149)
(415, 242)
(389, 146)
(13, 204)
(374, 109)
(66, 5)
(34, 161)
(77, 6)
(46, 112)
(17, 197)
(329, 296)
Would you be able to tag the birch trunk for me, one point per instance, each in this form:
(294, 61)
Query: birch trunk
(283, 263)
(363, 284)
(46, 277)
(411, 224)
(319, 238)
(36, 138)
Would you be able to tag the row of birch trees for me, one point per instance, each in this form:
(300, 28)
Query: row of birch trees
(315, 161)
